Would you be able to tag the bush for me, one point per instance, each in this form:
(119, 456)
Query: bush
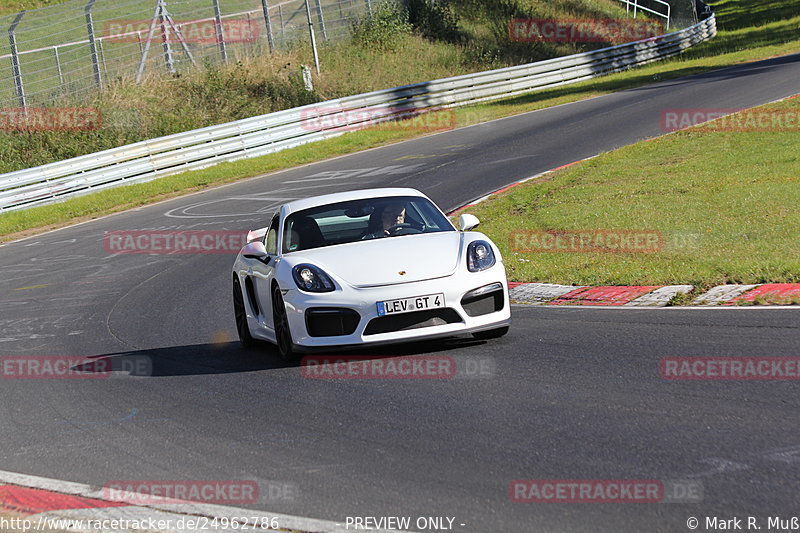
(229, 92)
(383, 29)
(434, 19)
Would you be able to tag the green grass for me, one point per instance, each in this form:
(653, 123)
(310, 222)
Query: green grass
(726, 204)
(152, 109)
(10, 7)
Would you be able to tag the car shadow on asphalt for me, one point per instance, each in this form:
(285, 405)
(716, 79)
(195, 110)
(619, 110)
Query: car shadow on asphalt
(230, 357)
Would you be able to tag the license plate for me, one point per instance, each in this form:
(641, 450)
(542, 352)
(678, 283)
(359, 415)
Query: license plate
(406, 305)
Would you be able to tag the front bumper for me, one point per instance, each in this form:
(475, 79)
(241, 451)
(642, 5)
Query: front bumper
(364, 302)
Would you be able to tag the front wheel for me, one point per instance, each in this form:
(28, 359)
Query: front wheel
(283, 335)
(240, 314)
(491, 333)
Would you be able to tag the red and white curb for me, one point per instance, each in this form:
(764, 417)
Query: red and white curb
(722, 294)
(632, 295)
(647, 295)
(48, 504)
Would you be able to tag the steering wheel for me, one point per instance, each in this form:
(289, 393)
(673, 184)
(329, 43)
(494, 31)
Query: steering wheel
(403, 229)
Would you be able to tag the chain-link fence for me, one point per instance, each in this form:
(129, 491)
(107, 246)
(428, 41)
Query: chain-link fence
(83, 45)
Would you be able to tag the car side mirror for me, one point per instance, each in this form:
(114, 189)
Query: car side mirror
(256, 234)
(255, 250)
(467, 222)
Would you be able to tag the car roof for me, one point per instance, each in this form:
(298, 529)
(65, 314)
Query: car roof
(306, 203)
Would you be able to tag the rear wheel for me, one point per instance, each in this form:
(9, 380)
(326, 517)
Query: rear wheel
(491, 333)
(283, 335)
(240, 314)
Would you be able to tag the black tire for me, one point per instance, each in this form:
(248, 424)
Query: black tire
(283, 334)
(491, 333)
(240, 314)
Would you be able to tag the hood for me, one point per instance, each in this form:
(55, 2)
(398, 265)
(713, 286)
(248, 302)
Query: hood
(380, 261)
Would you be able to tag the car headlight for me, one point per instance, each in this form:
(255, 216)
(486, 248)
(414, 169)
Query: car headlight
(480, 256)
(312, 279)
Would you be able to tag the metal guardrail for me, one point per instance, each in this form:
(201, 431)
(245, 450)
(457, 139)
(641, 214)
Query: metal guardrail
(256, 136)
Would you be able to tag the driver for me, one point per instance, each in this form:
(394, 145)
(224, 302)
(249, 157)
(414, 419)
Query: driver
(392, 215)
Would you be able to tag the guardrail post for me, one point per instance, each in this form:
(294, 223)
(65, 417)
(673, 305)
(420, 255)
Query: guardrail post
(313, 38)
(321, 20)
(220, 34)
(98, 79)
(268, 22)
(12, 40)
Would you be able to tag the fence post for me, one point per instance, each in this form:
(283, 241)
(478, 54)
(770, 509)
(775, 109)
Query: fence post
(313, 38)
(369, 7)
(102, 54)
(220, 34)
(165, 38)
(93, 44)
(12, 40)
(268, 22)
(58, 66)
(321, 20)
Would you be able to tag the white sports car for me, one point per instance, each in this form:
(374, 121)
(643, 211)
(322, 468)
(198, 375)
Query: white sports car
(364, 267)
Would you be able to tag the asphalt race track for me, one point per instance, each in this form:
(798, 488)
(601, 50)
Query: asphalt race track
(567, 394)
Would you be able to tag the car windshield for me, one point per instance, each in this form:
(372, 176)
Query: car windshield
(364, 219)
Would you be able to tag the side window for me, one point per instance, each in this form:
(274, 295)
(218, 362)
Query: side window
(271, 238)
